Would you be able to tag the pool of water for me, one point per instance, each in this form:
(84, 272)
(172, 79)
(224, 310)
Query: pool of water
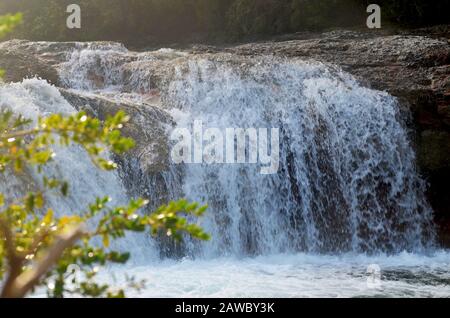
(301, 275)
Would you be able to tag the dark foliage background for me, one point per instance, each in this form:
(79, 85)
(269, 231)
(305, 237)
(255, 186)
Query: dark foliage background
(164, 21)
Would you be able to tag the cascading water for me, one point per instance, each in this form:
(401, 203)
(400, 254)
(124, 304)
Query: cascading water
(35, 98)
(346, 185)
(346, 181)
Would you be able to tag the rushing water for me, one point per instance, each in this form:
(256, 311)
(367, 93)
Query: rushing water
(297, 275)
(347, 194)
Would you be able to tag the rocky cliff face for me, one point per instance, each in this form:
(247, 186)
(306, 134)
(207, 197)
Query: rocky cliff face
(414, 68)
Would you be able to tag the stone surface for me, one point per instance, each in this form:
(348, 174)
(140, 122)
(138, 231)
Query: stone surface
(22, 59)
(148, 126)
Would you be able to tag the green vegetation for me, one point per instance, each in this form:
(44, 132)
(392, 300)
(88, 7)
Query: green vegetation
(42, 248)
(8, 22)
(147, 22)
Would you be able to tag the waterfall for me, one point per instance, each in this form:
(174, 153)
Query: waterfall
(34, 98)
(347, 179)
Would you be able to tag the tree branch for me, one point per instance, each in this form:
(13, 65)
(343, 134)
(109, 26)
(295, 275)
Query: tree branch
(14, 261)
(26, 281)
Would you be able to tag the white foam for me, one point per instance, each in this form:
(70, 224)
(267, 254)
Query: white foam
(296, 275)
